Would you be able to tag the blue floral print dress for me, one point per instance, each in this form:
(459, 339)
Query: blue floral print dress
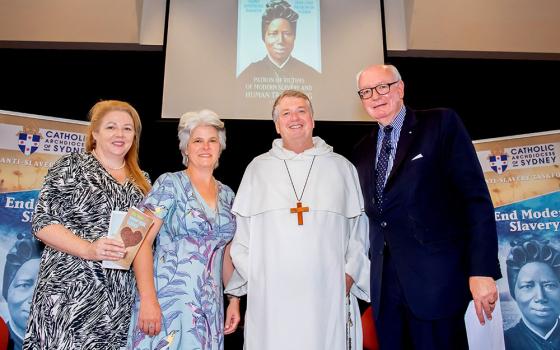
(188, 257)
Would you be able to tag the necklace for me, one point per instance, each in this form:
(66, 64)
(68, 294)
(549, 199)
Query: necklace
(299, 209)
(105, 165)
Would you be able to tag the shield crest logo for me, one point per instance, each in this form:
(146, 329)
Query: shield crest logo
(28, 142)
(498, 163)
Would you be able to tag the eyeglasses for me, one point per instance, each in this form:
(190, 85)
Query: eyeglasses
(381, 89)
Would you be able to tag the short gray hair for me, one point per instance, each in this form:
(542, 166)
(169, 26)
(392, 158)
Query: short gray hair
(290, 93)
(390, 67)
(191, 120)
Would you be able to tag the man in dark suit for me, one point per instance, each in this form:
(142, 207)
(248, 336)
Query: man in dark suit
(432, 228)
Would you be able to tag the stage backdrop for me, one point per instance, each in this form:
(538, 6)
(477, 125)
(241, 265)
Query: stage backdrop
(523, 176)
(29, 145)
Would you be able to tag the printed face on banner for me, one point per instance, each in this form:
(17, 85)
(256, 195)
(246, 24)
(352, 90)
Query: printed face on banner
(20, 293)
(29, 145)
(537, 293)
(523, 180)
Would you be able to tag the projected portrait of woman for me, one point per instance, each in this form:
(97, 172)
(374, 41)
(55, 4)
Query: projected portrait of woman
(278, 70)
(533, 271)
(20, 276)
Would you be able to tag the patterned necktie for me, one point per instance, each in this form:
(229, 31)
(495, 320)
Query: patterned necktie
(382, 163)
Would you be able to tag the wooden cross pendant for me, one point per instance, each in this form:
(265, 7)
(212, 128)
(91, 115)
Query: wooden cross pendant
(299, 210)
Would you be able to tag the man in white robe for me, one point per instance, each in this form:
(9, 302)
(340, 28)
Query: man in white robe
(297, 262)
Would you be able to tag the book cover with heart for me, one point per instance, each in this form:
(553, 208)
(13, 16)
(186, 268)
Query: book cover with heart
(131, 228)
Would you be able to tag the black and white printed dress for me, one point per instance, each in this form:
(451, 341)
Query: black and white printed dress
(77, 304)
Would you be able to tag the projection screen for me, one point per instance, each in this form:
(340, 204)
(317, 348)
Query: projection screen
(235, 57)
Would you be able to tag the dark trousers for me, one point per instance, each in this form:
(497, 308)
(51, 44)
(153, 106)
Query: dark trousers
(398, 328)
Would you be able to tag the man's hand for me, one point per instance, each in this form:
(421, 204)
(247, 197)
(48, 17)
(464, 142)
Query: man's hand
(485, 296)
(349, 283)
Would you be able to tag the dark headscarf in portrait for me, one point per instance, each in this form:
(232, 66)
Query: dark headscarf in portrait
(278, 9)
(528, 251)
(23, 250)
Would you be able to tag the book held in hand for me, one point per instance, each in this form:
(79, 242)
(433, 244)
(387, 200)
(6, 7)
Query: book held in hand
(130, 228)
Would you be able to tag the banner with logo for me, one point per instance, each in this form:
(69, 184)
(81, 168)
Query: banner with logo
(29, 145)
(523, 176)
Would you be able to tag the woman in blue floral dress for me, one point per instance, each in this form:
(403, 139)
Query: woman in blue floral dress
(180, 289)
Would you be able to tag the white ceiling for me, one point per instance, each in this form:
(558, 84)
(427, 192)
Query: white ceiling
(531, 26)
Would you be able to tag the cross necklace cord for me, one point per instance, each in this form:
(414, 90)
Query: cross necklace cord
(299, 209)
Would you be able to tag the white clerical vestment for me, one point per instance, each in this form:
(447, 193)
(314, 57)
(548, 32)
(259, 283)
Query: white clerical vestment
(294, 275)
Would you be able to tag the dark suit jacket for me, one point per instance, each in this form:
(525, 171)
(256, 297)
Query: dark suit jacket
(437, 219)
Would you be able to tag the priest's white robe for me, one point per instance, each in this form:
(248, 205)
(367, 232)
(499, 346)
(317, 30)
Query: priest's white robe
(294, 275)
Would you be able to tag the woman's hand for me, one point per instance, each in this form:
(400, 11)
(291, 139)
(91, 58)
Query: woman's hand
(232, 315)
(149, 317)
(106, 249)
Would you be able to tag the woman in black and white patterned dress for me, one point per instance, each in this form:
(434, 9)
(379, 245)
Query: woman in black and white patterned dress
(77, 304)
